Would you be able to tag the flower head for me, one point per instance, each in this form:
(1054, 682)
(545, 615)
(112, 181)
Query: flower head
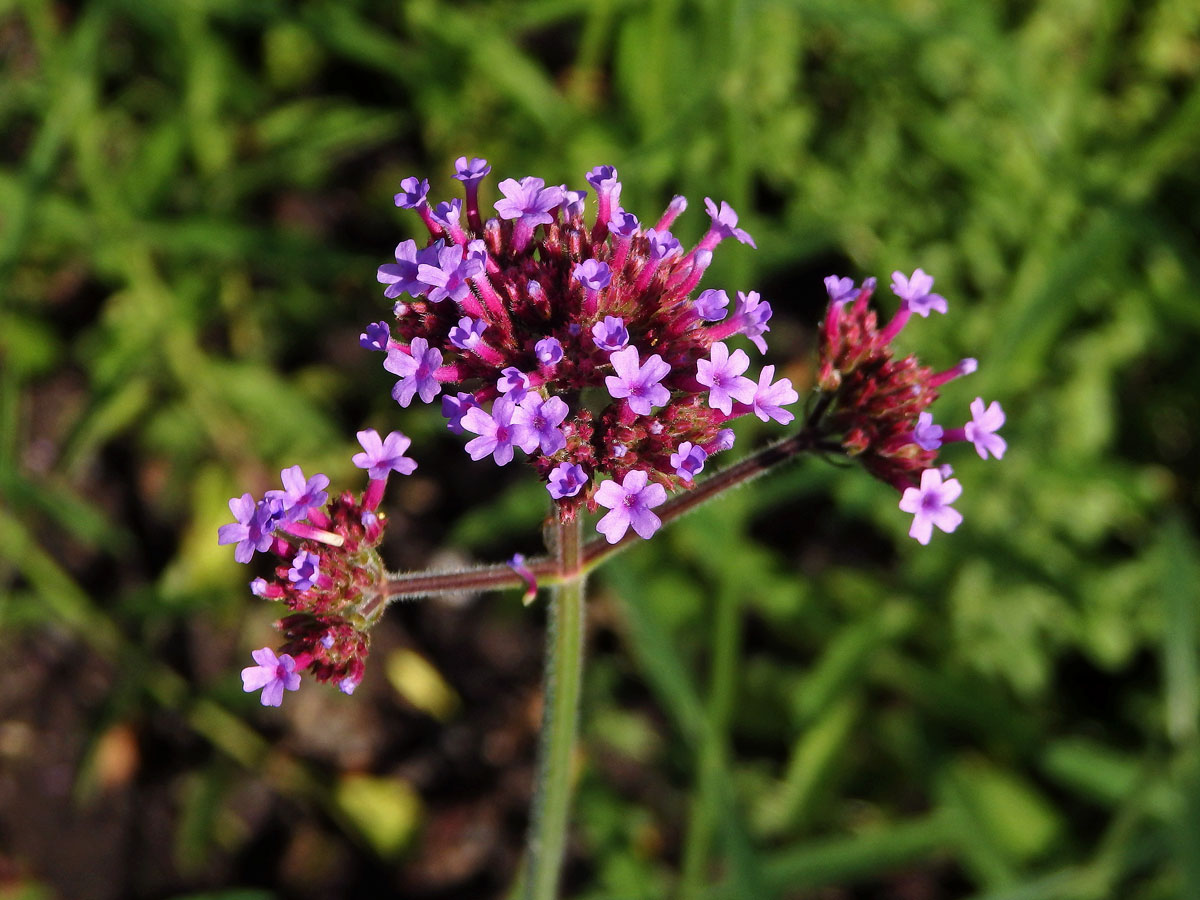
(525, 316)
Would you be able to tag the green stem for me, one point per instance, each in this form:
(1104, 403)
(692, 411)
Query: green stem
(710, 768)
(560, 718)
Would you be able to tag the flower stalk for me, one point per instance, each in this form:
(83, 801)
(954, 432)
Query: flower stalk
(562, 683)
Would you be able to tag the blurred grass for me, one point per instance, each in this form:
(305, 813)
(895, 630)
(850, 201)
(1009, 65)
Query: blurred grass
(193, 197)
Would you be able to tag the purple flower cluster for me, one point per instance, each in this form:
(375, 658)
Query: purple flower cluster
(578, 343)
(328, 573)
(878, 405)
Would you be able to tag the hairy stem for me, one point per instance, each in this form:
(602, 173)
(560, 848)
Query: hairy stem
(560, 717)
(548, 570)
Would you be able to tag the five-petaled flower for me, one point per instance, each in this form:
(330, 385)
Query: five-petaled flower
(930, 505)
(630, 503)
(636, 382)
(272, 675)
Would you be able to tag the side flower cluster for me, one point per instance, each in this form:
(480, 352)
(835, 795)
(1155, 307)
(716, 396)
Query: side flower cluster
(877, 405)
(328, 571)
(577, 340)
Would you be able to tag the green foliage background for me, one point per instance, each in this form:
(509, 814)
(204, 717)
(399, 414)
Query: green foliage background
(787, 698)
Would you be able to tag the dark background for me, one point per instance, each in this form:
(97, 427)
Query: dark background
(785, 696)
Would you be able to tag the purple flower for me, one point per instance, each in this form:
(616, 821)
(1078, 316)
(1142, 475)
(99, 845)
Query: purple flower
(273, 674)
(417, 370)
(839, 289)
(383, 455)
(593, 274)
(623, 224)
(472, 170)
(401, 276)
(477, 252)
(722, 374)
(449, 277)
(638, 382)
(376, 336)
(915, 293)
(926, 435)
(630, 503)
(514, 383)
(604, 178)
(711, 305)
(259, 587)
(688, 460)
(467, 334)
(413, 192)
(299, 495)
(549, 351)
(930, 505)
(769, 399)
(543, 418)
(724, 222)
(518, 565)
(529, 200)
(611, 334)
(566, 480)
(498, 433)
(454, 408)
(252, 531)
(981, 430)
(662, 244)
(724, 441)
(572, 202)
(305, 569)
(447, 213)
(752, 315)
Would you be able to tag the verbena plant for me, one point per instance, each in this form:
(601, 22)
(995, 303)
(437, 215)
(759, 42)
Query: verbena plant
(582, 339)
